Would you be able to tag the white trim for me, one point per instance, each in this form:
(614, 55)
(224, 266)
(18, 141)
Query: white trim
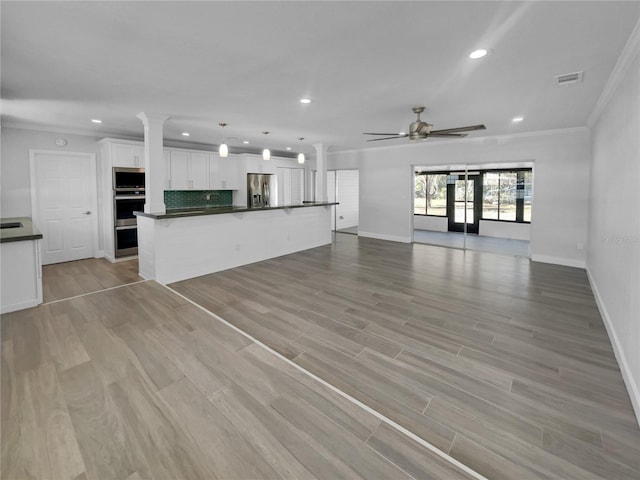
(382, 236)
(121, 141)
(629, 51)
(435, 450)
(480, 140)
(92, 158)
(97, 291)
(19, 306)
(632, 386)
(567, 262)
(50, 129)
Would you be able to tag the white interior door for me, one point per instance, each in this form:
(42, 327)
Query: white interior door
(64, 204)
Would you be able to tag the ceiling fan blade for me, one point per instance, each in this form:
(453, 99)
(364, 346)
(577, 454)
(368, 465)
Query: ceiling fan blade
(459, 129)
(458, 135)
(396, 133)
(386, 138)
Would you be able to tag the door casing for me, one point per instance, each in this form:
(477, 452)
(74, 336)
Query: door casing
(92, 186)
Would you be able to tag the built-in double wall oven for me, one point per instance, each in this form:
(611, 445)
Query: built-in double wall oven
(128, 197)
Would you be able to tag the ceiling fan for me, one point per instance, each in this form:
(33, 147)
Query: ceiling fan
(420, 130)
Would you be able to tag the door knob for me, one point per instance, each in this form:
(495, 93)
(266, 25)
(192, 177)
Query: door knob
(88, 212)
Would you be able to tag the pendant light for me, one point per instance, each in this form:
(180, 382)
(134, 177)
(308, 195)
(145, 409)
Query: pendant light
(223, 149)
(301, 155)
(266, 154)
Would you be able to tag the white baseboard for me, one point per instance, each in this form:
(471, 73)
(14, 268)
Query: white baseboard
(632, 386)
(20, 306)
(567, 262)
(100, 254)
(382, 236)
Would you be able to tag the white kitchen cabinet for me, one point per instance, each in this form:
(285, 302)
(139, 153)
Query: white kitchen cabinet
(179, 178)
(199, 170)
(21, 275)
(167, 169)
(224, 173)
(127, 155)
(188, 170)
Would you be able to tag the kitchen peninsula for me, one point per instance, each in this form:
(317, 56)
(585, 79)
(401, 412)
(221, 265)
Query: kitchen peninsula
(186, 243)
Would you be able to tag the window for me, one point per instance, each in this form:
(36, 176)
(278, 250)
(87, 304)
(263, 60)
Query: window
(506, 195)
(430, 194)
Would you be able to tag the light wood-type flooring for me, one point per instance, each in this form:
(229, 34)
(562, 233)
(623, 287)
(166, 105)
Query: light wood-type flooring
(137, 383)
(69, 279)
(500, 362)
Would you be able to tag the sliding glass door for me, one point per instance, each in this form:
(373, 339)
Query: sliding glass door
(464, 202)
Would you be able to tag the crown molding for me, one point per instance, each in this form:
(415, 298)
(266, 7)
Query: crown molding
(495, 139)
(629, 52)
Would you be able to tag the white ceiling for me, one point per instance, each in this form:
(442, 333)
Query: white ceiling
(363, 64)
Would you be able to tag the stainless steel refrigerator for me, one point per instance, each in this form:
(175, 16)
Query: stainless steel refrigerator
(262, 190)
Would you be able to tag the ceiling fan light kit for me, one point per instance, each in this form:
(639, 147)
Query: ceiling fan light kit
(420, 130)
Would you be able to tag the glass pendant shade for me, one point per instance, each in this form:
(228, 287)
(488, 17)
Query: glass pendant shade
(301, 158)
(223, 151)
(266, 154)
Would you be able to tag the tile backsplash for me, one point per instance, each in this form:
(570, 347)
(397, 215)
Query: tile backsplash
(197, 198)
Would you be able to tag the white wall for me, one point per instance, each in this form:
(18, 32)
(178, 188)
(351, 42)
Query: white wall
(561, 162)
(613, 261)
(435, 224)
(514, 231)
(15, 182)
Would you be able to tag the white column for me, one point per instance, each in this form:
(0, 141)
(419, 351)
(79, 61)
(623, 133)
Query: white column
(321, 171)
(153, 162)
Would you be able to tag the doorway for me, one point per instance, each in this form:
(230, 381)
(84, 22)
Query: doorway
(63, 204)
(487, 209)
(343, 186)
(464, 203)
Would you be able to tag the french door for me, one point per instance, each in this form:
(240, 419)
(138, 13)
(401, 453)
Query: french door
(464, 202)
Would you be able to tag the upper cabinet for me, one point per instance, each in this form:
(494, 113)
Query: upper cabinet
(184, 169)
(199, 170)
(121, 153)
(126, 155)
(224, 173)
(187, 170)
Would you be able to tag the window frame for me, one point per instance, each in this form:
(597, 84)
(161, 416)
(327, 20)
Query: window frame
(426, 214)
(520, 185)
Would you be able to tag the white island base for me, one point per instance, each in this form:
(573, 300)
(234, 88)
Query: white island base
(181, 247)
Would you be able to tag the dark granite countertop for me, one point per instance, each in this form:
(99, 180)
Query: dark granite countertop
(197, 211)
(25, 230)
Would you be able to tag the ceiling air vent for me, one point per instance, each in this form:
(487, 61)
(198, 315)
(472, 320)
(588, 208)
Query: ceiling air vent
(569, 78)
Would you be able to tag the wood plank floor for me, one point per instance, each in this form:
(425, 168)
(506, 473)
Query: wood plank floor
(137, 383)
(69, 279)
(501, 362)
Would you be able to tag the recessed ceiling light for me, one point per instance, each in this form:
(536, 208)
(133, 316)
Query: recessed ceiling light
(517, 119)
(186, 134)
(288, 148)
(246, 142)
(96, 120)
(305, 100)
(481, 52)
